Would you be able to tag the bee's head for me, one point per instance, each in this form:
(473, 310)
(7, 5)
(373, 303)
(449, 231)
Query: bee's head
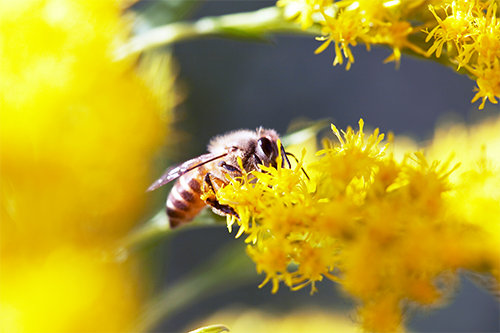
(267, 150)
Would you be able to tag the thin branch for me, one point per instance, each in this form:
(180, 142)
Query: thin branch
(257, 25)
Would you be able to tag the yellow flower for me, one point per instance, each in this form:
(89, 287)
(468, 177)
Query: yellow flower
(78, 128)
(473, 28)
(488, 82)
(455, 27)
(304, 10)
(477, 193)
(344, 29)
(396, 35)
(466, 32)
(486, 37)
(347, 22)
(66, 290)
(385, 230)
(78, 131)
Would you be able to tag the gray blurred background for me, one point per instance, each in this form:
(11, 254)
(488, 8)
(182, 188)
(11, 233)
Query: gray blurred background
(235, 84)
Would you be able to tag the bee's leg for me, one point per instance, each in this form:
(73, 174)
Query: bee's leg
(230, 167)
(212, 200)
(208, 182)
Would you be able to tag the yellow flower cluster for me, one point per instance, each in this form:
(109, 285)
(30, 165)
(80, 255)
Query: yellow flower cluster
(78, 131)
(389, 232)
(370, 21)
(477, 191)
(471, 32)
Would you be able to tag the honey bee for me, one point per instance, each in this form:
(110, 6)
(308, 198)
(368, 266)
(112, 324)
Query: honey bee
(202, 176)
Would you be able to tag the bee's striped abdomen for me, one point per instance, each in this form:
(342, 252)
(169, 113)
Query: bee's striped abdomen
(184, 202)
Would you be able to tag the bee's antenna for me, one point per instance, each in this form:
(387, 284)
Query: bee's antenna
(285, 158)
(296, 160)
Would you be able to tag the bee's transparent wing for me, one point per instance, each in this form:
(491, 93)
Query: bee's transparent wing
(176, 171)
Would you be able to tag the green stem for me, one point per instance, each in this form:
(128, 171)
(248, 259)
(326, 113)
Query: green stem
(158, 229)
(226, 270)
(255, 24)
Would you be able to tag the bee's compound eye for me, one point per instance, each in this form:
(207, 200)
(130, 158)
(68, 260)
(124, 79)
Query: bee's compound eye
(266, 146)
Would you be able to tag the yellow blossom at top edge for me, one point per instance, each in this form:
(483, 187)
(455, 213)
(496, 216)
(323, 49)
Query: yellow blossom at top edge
(467, 32)
(485, 39)
(304, 11)
(473, 30)
(456, 26)
(343, 30)
(346, 22)
(488, 82)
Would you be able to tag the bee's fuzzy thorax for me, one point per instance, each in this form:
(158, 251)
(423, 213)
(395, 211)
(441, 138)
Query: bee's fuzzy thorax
(243, 139)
